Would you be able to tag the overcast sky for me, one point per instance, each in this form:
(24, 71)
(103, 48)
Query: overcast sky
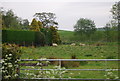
(67, 11)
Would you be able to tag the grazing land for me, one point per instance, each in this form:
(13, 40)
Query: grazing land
(109, 51)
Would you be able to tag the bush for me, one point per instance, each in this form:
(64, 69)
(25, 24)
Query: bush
(18, 37)
(39, 39)
(48, 36)
(10, 58)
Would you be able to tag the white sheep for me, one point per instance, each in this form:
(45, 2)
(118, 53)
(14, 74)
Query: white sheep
(54, 44)
(73, 44)
(82, 44)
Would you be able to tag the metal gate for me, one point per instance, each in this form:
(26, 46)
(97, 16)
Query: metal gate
(60, 60)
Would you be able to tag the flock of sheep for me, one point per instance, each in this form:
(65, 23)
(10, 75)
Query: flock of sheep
(73, 44)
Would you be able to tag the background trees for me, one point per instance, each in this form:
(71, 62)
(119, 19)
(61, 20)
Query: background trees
(47, 19)
(84, 27)
(11, 21)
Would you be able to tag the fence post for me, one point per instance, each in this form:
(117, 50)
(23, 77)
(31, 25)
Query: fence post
(18, 70)
(60, 69)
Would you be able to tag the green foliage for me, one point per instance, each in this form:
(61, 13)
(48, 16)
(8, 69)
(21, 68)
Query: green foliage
(47, 19)
(115, 9)
(18, 37)
(39, 39)
(55, 35)
(84, 26)
(40, 25)
(28, 37)
(10, 20)
(34, 25)
(25, 24)
(68, 37)
(48, 35)
(10, 57)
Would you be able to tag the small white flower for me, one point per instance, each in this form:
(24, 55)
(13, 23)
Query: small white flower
(2, 61)
(16, 75)
(10, 54)
(3, 71)
(2, 67)
(6, 59)
(5, 63)
(6, 55)
(9, 65)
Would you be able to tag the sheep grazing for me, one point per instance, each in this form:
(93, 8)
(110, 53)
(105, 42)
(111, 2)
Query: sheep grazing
(82, 44)
(54, 44)
(73, 44)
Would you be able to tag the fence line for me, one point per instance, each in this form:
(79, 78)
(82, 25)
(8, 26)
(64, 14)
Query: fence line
(60, 60)
(75, 69)
(70, 59)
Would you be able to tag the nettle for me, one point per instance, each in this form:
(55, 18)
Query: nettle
(10, 61)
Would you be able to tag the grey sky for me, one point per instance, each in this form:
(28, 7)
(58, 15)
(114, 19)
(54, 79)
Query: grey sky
(67, 12)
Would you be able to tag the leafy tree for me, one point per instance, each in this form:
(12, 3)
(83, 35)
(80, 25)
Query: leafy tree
(116, 10)
(47, 19)
(55, 35)
(25, 24)
(84, 26)
(10, 20)
(116, 13)
(34, 25)
(107, 31)
(40, 25)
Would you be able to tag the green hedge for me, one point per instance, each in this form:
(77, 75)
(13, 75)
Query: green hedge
(48, 35)
(26, 37)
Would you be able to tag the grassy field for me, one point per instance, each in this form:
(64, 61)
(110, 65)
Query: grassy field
(106, 50)
(81, 52)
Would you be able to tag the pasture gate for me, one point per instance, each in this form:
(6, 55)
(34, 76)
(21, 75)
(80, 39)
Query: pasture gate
(60, 60)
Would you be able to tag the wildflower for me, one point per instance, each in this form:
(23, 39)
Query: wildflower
(2, 61)
(16, 75)
(10, 54)
(5, 63)
(9, 65)
(6, 77)
(8, 58)
(6, 55)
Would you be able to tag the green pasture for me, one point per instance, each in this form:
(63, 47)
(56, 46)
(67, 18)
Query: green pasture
(81, 52)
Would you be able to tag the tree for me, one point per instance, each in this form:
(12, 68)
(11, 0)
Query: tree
(10, 20)
(25, 24)
(47, 19)
(55, 35)
(34, 25)
(116, 10)
(84, 26)
(116, 13)
(40, 25)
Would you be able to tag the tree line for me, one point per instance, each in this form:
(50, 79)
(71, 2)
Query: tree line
(86, 29)
(42, 22)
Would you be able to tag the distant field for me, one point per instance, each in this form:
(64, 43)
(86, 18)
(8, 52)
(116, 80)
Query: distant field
(66, 36)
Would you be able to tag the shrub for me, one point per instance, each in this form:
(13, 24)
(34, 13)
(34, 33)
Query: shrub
(55, 35)
(48, 36)
(10, 58)
(39, 39)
